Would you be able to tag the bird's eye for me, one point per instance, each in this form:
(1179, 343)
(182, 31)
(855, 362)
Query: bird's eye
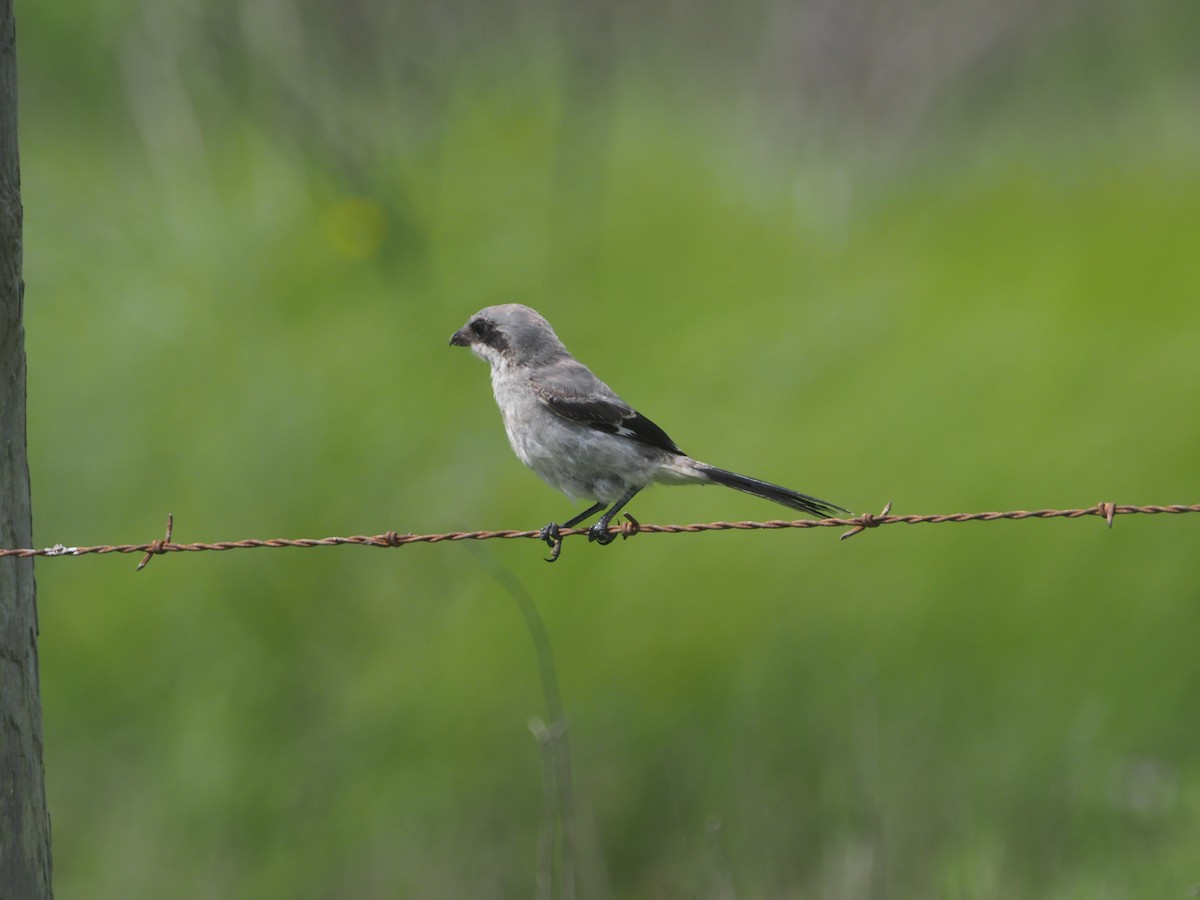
(481, 327)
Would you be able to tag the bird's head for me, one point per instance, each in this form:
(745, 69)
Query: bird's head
(511, 334)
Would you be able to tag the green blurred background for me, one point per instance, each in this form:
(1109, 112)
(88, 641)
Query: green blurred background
(938, 254)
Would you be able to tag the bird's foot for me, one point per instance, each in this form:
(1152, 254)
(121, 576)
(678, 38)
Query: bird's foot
(600, 533)
(550, 534)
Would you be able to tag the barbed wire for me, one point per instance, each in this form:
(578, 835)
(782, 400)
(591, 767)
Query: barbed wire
(627, 529)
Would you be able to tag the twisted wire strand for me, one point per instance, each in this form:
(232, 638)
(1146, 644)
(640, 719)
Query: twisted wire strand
(626, 529)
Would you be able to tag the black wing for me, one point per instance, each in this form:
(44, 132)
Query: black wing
(597, 406)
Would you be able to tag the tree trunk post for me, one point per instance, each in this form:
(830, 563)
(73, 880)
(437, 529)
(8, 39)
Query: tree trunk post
(24, 820)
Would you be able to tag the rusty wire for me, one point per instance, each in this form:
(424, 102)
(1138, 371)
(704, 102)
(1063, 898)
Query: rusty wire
(627, 529)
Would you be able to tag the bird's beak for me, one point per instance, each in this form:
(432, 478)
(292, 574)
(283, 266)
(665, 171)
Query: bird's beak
(460, 338)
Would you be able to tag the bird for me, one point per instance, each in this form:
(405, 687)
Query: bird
(578, 435)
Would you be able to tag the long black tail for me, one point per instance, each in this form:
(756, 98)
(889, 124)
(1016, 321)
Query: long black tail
(773, 492)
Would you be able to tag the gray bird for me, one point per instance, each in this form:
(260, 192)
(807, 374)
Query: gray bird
(576, 433)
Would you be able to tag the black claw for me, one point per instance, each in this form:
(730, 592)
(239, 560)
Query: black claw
(600, 533)
(553, 540)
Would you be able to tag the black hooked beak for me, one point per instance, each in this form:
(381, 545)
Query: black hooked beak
(460, 338)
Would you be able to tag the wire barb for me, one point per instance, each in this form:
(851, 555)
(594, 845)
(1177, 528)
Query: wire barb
(630, 528)
(157, 547)
(856, 525)
(388, 539)
(866, 520)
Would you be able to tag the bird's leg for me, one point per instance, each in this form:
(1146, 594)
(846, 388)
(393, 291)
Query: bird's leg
(553, 539)
(599, 532)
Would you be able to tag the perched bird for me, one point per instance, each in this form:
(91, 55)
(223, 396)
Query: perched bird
(576, 433)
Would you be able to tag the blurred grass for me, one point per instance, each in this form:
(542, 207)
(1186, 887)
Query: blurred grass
(245, 324)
